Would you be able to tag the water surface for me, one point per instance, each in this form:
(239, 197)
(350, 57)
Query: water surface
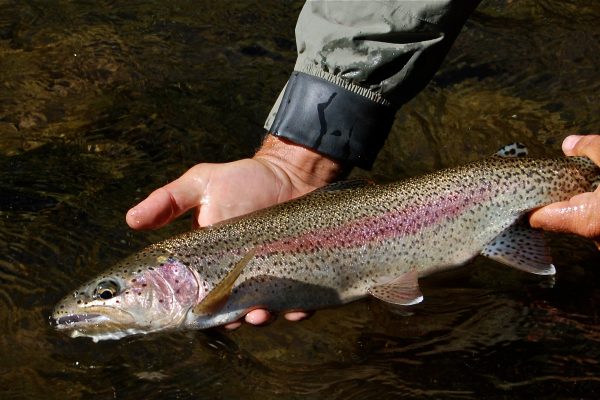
(103, 101)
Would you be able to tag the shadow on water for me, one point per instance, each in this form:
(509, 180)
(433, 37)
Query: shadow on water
(101, 102)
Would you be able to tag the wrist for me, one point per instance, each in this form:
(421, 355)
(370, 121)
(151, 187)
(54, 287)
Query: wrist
(303, 166)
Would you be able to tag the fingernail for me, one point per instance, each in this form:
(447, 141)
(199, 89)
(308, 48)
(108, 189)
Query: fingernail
(570, 142)
(133, 217)
(257, 317)
(133, 213)
(251, 319)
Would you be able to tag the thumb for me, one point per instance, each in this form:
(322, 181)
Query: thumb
(168, 202)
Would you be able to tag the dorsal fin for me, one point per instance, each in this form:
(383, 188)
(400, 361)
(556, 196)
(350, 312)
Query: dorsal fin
(513, 150)
(219, 295)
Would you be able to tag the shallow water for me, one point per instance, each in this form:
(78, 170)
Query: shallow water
(100, 102)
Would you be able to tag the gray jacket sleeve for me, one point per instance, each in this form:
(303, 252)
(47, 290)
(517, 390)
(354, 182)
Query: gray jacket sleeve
(358, 62)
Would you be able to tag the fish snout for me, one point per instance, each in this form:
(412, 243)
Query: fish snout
(70, 320)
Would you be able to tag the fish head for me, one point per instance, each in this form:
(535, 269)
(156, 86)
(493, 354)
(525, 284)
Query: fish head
(147, 292)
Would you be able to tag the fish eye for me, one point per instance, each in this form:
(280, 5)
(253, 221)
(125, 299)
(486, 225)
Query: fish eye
(106, 290)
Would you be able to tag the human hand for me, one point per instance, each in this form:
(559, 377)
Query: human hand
(278, 172)
(581, 213)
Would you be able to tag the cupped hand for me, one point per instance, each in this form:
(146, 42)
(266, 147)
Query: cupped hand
(278, 172)
(216, 192)
(581, 213)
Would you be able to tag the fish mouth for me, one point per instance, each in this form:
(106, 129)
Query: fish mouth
(91, 319)
(73, 321)
(95, 326)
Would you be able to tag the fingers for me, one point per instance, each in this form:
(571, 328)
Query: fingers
(577, 215)
(258, 317)
(579, 145)
(169, 202)
(296, 315)
(569, 144)
(254, 317)
(262, 317)
(232, 326)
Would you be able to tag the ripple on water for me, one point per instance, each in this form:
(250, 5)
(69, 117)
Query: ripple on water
(100, 102)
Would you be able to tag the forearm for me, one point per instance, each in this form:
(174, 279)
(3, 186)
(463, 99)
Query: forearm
(358, 62)
(384, 50)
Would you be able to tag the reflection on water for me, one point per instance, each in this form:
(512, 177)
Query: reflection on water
(100, 102)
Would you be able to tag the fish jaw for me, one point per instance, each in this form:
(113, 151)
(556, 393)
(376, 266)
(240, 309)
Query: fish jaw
(96, 324)
(151, 293)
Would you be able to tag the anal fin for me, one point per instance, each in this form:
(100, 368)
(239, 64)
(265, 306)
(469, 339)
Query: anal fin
(521, 247)
(403, 290)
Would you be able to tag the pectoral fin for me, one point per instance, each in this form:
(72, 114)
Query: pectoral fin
(521, 247)
(219, 295)
(403, 290)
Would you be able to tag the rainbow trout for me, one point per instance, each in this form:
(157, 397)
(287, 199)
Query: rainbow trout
(332, 246)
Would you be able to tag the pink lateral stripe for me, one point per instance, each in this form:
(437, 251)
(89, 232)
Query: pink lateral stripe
(402, 222)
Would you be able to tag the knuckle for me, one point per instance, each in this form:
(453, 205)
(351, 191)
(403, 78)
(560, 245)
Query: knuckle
(588, 144)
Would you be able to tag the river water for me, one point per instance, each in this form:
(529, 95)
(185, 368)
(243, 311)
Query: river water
(103, 101)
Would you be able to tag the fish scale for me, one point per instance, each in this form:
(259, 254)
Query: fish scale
(333, 246)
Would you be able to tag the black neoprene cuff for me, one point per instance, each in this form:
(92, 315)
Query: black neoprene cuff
(332, 120)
